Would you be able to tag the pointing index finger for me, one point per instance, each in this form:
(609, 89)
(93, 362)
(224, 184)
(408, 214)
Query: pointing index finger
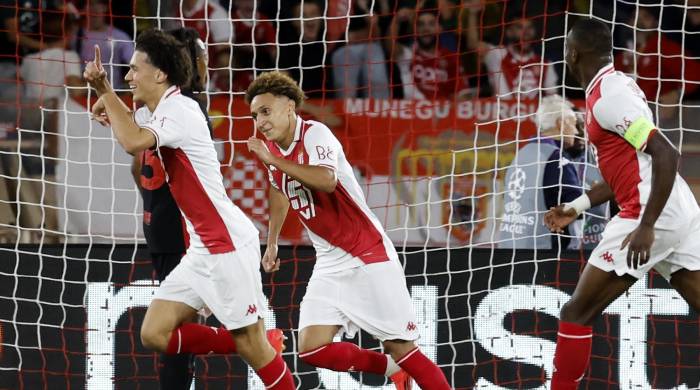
(98, 57)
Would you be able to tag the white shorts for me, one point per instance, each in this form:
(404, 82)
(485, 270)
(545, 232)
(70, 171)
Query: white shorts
(671, 251)
(229, 284)
(371, 297)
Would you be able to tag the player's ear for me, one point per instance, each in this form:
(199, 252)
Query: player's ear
(160, 76)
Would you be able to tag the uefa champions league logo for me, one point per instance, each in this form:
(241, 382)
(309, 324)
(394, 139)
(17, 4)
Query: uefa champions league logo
(515, 184)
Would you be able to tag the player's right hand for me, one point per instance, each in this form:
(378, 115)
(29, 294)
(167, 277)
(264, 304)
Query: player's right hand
(96, 75)
(99, 113)
(270, 261)
(557, 218)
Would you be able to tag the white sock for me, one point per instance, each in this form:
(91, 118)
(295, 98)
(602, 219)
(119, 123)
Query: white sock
(391, 366)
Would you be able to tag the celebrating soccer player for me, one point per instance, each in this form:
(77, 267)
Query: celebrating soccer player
(220, 268)
(358, 281)
(659, 220)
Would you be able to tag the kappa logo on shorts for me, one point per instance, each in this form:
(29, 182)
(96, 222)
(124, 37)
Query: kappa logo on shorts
(252, 309)
(607, 257)
(411, 326)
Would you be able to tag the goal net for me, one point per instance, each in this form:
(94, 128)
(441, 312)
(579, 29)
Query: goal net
(436, 105)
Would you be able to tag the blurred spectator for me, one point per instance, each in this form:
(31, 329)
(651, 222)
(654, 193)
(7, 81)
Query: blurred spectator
(116, 46)
(542, 176)
(583, 158)
(692, 27)
(428, 70)
(254, 48)
(360, 67)
(515, 67)
(660, 67)
(210, 20)
(19, 36)
(448, 11)
(214, 26)
(302, 50)
(46, 73)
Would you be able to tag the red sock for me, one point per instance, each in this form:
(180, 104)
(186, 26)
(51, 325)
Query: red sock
(572, 355)
(426, 373)
(200, 339)
(346, 357)
(276, 376)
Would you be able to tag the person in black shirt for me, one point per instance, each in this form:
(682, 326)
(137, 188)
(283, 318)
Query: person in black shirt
(163, 226)
(302, 50)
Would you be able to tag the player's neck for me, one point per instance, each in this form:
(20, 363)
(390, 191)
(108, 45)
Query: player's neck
(152, 102)
(291, 130)
(590, 70)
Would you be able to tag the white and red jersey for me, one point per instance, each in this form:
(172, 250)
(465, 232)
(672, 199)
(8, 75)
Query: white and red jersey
(511, 72)
(344, 231)
(430, 75)
(211, 20)
(618, 123)
(186, 150)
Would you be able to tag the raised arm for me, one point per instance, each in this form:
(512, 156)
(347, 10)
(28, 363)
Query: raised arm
(129, 135)
(473, 9)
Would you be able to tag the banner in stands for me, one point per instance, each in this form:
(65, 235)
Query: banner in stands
(424, 166)
(488, 318)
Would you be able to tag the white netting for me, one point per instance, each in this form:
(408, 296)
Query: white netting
(432, 136)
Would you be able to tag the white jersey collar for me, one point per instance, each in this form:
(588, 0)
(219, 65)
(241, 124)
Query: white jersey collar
(603, 71)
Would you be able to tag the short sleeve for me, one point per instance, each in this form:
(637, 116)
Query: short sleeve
(624, 111)
(322, 147)
(493, 58)
(72, 64)
(550, 79)
(271, 179)
(220, 26)
(165, 125)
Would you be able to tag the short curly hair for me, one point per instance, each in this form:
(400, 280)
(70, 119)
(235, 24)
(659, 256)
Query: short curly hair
(278, 84)
(167, 54)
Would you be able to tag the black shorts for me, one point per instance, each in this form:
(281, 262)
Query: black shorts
(163, 263)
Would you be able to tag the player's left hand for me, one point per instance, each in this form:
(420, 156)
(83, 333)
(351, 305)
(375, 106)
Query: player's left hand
(258, 147)
(640, 242)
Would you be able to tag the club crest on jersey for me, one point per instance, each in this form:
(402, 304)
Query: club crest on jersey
(300, 158)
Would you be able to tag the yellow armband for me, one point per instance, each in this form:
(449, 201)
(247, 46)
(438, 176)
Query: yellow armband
(638, 132)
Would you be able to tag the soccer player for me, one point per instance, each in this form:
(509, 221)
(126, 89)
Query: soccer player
(357, 282)
(659, 219)
(162, 222)
(220, 267)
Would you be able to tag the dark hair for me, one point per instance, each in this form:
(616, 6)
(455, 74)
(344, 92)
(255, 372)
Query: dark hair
(167, 54)
(189, 36)
(593, 36)
(276, 83)
(428, 9)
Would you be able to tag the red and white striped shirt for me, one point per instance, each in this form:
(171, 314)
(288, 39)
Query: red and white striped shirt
(510, 73)
(186, 150)
(344, 231)
(614, 103)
